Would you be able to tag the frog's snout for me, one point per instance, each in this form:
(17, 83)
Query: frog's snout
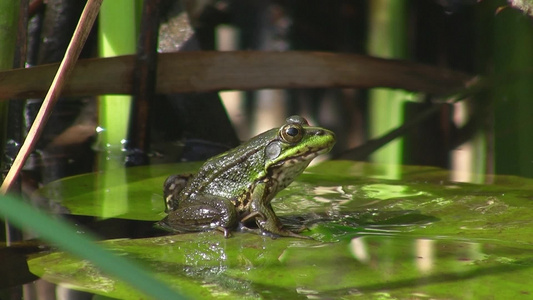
(322, 132)
(326, 133)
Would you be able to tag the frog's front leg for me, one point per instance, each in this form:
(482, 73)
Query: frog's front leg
(201, 213)
(266, 219)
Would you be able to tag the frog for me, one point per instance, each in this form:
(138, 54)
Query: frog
(236, 188)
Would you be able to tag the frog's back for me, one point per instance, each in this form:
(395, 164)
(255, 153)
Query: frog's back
(231, 174)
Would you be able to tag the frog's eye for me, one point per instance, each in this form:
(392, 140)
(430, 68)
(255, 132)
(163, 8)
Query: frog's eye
(296, 120)
(292, 133)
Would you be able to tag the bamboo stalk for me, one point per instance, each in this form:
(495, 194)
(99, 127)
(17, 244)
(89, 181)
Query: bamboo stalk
(79, 37)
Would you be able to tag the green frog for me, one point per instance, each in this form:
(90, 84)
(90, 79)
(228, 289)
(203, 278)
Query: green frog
(236, 188)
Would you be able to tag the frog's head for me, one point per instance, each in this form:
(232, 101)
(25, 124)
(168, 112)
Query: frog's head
(295, 145)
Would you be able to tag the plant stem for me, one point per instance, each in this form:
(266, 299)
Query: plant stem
(65, 68)
(387, 38)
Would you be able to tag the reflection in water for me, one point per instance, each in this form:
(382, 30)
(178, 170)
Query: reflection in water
(425, 257)
(359, 250)
(428, 262)
(208, 262)
(112, 186)
(424, 252)
(390, 191)
(373, 264)
(251, 266)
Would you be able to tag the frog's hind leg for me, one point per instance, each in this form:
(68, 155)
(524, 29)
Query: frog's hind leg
(203, 213)
(173, 185)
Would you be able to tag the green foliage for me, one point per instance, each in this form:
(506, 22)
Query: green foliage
(66, 237)
(8, 28)
(8, 36)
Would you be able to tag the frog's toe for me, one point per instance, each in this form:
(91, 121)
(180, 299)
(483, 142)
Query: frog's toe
(225, 231)
(286, 233)
(244, 228)
(274, 235)
(295, 234)
(255, 214)
(301, 229)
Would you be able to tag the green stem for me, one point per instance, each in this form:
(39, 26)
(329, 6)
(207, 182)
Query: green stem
(9, 13)
(117, 36)
(513, 58)
(387, 39)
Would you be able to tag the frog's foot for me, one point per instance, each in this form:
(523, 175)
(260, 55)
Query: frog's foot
(244, 228)
(273, 235)
(272, 227)
(225, 231)
(301, 229)
(255, 214)
(284, 232)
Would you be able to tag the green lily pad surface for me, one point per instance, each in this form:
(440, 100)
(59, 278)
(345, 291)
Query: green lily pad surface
(380, 232)
(133, 193)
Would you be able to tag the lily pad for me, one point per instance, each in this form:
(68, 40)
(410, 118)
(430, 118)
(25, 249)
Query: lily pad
(132, 193)
(413, 234)
(207, 266)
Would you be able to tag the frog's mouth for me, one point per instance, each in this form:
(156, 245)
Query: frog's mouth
(314, 152)
(308, 155)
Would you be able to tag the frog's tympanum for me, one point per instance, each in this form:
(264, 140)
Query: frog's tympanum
(235, 188)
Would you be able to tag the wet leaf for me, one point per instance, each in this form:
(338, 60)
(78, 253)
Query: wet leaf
(413, 234)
